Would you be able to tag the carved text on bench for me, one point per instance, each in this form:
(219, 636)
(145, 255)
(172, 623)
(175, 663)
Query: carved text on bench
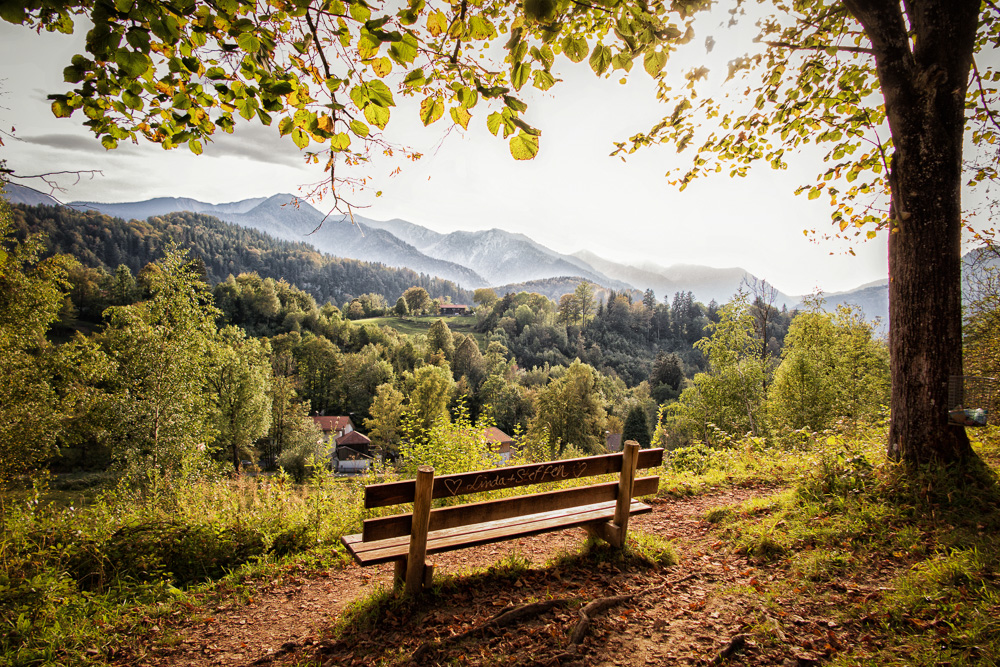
(520, 476)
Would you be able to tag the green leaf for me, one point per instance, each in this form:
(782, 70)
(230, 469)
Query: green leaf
(359, 12)
(431, 109)
(493, 122)
(654, 62)
(368, 45)
(248, 42)
(285, 126)
(280, 88)
(814, 193)
(61, 109)
(340, 142)
(377, 116)
(481, 28)
(600, 59)
(73, 74)
(544, 80)
(132, 64)
(405, 50)
(622, 61)
(195, 147)
(576, 49)
(300, 138)
(138, 39)
(514, 104)
(379, 93)
(415, 78)
(131, 100)
(359, 128)
(523, 146)
(519, 74)
(109, 142)
(461, 116)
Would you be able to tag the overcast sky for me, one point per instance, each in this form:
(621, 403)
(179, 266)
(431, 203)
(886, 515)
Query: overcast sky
(572, 196)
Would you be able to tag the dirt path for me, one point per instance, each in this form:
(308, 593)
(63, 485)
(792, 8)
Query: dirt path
(691, 619)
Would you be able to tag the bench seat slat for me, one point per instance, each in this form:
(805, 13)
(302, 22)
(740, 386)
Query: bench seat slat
(384, 551)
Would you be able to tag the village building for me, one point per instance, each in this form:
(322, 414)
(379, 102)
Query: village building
(500, 442)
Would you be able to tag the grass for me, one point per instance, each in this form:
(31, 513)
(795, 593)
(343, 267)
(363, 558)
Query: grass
(79, 583)
(419, 325)
(930, 540)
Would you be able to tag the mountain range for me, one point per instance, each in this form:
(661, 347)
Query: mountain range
(489, 258)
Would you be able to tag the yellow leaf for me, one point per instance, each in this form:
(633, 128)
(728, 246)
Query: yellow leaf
(523, 146)
(382, 67)
(461, 116)
(325, 123)
(437, 23)
(431, 109)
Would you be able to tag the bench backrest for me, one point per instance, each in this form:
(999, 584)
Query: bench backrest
(393, 493)
(445, 486)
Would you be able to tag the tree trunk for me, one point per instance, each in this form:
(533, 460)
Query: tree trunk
(924, 82)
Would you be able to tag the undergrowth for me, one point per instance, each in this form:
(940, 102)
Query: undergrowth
(79, 584)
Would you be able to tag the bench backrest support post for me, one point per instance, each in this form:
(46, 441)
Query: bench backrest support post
(418, 535)
(625, 485)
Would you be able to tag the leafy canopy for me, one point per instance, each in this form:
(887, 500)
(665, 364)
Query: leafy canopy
(329, 72)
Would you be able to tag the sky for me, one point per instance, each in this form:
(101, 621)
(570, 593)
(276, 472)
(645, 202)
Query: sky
(571, 197)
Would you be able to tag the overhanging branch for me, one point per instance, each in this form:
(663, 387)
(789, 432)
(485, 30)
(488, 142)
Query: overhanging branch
(802, 47)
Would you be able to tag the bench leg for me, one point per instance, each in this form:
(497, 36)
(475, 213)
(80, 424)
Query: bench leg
(416, 560)
(399, 575)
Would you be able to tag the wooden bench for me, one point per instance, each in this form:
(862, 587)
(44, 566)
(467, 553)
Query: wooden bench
(406, 539)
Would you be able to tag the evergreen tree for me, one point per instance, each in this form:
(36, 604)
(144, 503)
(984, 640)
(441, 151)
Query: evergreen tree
(636, 427)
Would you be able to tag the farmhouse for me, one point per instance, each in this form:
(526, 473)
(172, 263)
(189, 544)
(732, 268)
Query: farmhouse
(353, 453)
(453, 309)
(333, 427)
(500, 442)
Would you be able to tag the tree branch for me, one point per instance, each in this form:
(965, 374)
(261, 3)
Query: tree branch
(458, 42)
(982, 94)
(800, 47)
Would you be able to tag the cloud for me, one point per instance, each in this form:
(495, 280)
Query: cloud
(256, 143)
(72, 142)
(249, 142)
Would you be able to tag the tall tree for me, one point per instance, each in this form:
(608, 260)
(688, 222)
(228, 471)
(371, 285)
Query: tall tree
(239, 378)
(162, 349)
(32, 290)
(570, 412)
(585, 299)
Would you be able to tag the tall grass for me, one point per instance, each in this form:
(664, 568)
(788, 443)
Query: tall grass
(76, 580)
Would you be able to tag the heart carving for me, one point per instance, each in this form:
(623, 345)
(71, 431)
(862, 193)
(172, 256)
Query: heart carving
(453, 485)
(579, 468)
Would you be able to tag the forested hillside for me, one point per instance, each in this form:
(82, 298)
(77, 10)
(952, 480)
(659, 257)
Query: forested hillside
(102, 242)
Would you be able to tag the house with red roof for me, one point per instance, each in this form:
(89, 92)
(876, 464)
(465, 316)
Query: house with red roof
(500, 442)
(333, 427)
(353, 453)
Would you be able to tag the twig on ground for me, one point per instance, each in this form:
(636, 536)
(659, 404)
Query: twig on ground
(505, 618)
(591, 611)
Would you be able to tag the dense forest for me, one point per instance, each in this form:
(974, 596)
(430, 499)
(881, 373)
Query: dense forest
(104, 243)
(240, 323)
